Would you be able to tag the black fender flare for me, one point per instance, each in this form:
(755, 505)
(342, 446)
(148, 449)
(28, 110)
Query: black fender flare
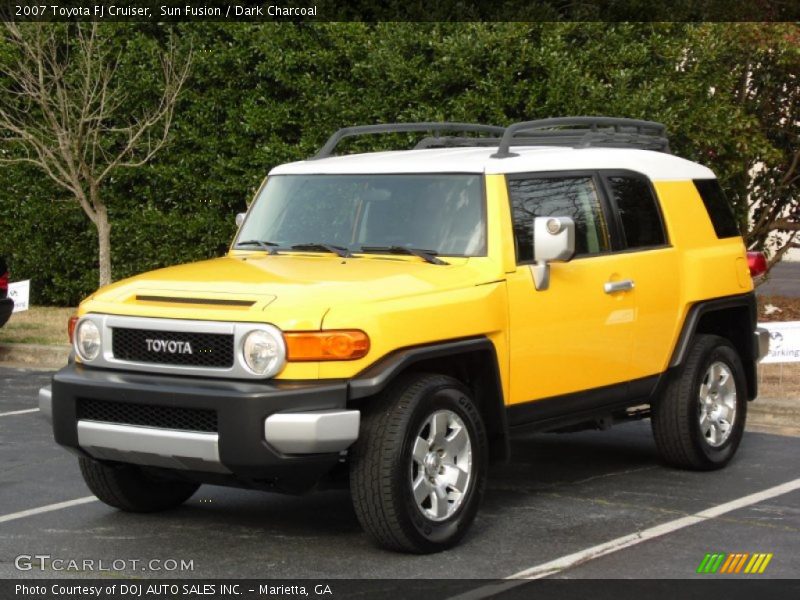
(749, 351)
(380, 374)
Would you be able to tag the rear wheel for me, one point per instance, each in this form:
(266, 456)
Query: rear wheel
(699, 420)
(130, 488)
(419, 467)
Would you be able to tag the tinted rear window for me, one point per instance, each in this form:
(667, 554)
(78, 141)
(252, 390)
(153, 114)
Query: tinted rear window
(718, 208)
(638, 211)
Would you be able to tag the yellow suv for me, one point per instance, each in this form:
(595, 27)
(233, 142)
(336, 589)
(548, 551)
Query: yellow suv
(393, 317)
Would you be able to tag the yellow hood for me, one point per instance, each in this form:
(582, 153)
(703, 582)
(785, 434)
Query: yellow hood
(291, 290)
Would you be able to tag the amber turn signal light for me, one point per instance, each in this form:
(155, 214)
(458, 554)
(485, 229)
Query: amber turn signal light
(326, 345)
(73, 321)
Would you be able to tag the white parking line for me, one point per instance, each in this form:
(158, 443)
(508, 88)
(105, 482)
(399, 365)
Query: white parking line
(577, 558)
(19, 412)
(48, 508)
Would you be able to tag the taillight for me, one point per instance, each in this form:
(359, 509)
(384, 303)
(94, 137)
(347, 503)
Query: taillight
(757, 263)
(4, 282)
(73, 320)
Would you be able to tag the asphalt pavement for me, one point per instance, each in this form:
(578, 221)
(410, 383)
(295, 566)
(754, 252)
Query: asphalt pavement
(784, 280)
(560, 495)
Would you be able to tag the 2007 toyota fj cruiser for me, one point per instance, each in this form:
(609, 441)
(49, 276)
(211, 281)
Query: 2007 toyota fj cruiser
(396, 315)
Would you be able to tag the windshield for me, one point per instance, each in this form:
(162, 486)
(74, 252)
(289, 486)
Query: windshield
(442, 214)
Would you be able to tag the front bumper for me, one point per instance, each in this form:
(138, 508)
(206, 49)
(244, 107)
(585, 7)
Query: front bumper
(284, 435)
(6, 308)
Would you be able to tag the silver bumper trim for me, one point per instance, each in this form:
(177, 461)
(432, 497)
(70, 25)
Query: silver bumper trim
(312, 432)
(762, 342)
(46, 403)
(152, 446)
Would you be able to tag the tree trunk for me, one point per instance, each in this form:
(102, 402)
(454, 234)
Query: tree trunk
(104, 244)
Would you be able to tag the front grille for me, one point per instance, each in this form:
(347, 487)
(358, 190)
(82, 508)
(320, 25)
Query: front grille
(167, 417)
(172, 347)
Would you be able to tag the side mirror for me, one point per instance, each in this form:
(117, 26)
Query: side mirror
(553, 241)
(240, 219)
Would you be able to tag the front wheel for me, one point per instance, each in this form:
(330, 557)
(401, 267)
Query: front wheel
(130, 488)
(418, 470)
(699, 420)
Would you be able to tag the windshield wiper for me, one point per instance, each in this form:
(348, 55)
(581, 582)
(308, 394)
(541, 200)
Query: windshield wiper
(268, 247)
(338, 250)
(426, 255)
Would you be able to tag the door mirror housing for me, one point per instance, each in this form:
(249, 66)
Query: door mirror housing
(240, 219)
(553, 241)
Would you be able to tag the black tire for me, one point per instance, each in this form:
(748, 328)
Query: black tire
(130, 488)
(382, 467)
(676, 415)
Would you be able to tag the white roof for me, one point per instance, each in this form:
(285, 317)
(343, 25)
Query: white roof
(658, 166)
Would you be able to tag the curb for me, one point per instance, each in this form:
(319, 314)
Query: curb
(39, 356)
(775, 415)
(777, 406)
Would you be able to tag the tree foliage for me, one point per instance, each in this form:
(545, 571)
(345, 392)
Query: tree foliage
(260, 95)
(61, 112)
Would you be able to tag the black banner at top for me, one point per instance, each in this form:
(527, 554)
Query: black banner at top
(159, 11)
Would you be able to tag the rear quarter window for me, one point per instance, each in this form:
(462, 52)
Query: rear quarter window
(638, 211)
(719, 209)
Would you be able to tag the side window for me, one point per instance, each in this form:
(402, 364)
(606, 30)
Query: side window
(638, 211)
(574, 197)
(719, 210)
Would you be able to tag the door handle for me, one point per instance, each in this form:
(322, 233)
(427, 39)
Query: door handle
(618, 286)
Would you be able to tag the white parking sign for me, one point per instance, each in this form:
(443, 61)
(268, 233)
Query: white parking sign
(20, 293)
(784, 342)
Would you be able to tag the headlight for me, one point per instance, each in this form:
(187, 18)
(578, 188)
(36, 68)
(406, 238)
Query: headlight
(263, 352)
(87, 340)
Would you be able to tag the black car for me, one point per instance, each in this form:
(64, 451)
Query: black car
(6, 304)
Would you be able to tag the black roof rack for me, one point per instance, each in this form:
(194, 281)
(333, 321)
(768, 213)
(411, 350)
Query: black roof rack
(576, 132)
(585, 132)
(453, 141)
(434, 128)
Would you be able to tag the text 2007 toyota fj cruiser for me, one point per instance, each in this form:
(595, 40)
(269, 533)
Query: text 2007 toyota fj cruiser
(396, 315)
